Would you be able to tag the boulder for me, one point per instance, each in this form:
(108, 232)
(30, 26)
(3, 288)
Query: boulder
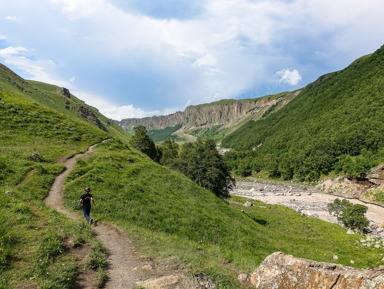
(247, 204)
(285, 271)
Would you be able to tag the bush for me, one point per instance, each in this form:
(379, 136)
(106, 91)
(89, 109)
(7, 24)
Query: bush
(350, 215)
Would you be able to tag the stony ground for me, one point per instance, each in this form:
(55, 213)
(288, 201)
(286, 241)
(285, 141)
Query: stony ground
(304, 199)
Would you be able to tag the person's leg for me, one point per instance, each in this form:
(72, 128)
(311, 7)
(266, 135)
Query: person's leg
(86, 213)
(89, 216)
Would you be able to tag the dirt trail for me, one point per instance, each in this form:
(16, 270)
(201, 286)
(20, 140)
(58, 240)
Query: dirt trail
(123, 263)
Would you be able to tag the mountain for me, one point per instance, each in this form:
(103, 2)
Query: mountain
(166, 215)
(58, 98)
(212, 120)
(335, 123)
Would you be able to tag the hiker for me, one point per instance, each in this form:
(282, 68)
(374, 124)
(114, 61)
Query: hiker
(85, 200)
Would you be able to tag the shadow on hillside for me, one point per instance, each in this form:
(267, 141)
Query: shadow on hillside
(259, 221)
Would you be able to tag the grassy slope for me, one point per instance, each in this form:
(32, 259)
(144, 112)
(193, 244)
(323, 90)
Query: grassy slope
(165, 213)
(343, 102)
(32, 236)
(169, 215)
(45, 95)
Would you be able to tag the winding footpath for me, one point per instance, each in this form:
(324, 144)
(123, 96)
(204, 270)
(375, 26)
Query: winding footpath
(123, 262)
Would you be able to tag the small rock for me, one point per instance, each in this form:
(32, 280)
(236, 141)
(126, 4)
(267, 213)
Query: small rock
(9, 193)
(335, 257)
(147, 267)
(350, 232)
(36, 158)
(243, 278)
(352, 262)
(247, 204)
(377, 246)
(205, 281)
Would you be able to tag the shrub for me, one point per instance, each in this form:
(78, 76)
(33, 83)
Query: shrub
(350, 215)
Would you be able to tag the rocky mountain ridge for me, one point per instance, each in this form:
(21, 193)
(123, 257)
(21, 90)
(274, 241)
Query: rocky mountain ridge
(227, 114)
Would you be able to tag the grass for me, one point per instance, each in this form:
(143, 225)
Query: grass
(374, 196)
(32, 236)
(163, 212)
(168, 215)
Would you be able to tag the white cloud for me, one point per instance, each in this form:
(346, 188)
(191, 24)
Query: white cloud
(111, 110)
(13, 18)
(290, 77)
(33, 69)
(2, 37)
(231, 47)
(11, 51)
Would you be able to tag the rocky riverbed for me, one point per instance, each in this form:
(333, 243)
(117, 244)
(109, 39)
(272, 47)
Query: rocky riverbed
(304, 199)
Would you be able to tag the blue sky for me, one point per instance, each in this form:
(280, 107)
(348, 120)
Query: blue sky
(137, 58)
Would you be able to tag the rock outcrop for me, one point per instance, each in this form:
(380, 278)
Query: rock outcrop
(212, 114)
(63, 91)
(288, 272)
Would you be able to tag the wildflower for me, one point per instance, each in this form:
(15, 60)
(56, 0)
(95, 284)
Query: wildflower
(68, 278)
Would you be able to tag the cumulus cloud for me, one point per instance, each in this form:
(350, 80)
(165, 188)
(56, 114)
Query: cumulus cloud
(151, 56)
(291, 77)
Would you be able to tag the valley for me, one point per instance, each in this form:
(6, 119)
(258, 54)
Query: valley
(155, 224)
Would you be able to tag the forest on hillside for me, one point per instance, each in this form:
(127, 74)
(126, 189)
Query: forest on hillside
(334, 124)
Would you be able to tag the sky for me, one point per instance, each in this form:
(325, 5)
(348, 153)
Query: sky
(139, 58)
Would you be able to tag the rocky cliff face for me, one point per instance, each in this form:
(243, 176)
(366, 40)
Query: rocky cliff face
(285, 271)
(217, 113)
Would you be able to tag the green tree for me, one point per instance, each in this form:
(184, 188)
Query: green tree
(169, 152)
(245, 167)
(350, 215)
(142, 142)
(201, 162)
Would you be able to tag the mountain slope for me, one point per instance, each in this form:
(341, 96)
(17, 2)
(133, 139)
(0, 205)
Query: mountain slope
(57, 98)
(165, 214)
(340, 114)
(212, 120)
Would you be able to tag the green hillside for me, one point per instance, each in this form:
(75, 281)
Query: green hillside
(32, 140)
(335, 123)
(46, 95)
(164, 213)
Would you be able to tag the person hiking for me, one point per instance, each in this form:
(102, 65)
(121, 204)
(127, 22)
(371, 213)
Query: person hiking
(86, 200)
